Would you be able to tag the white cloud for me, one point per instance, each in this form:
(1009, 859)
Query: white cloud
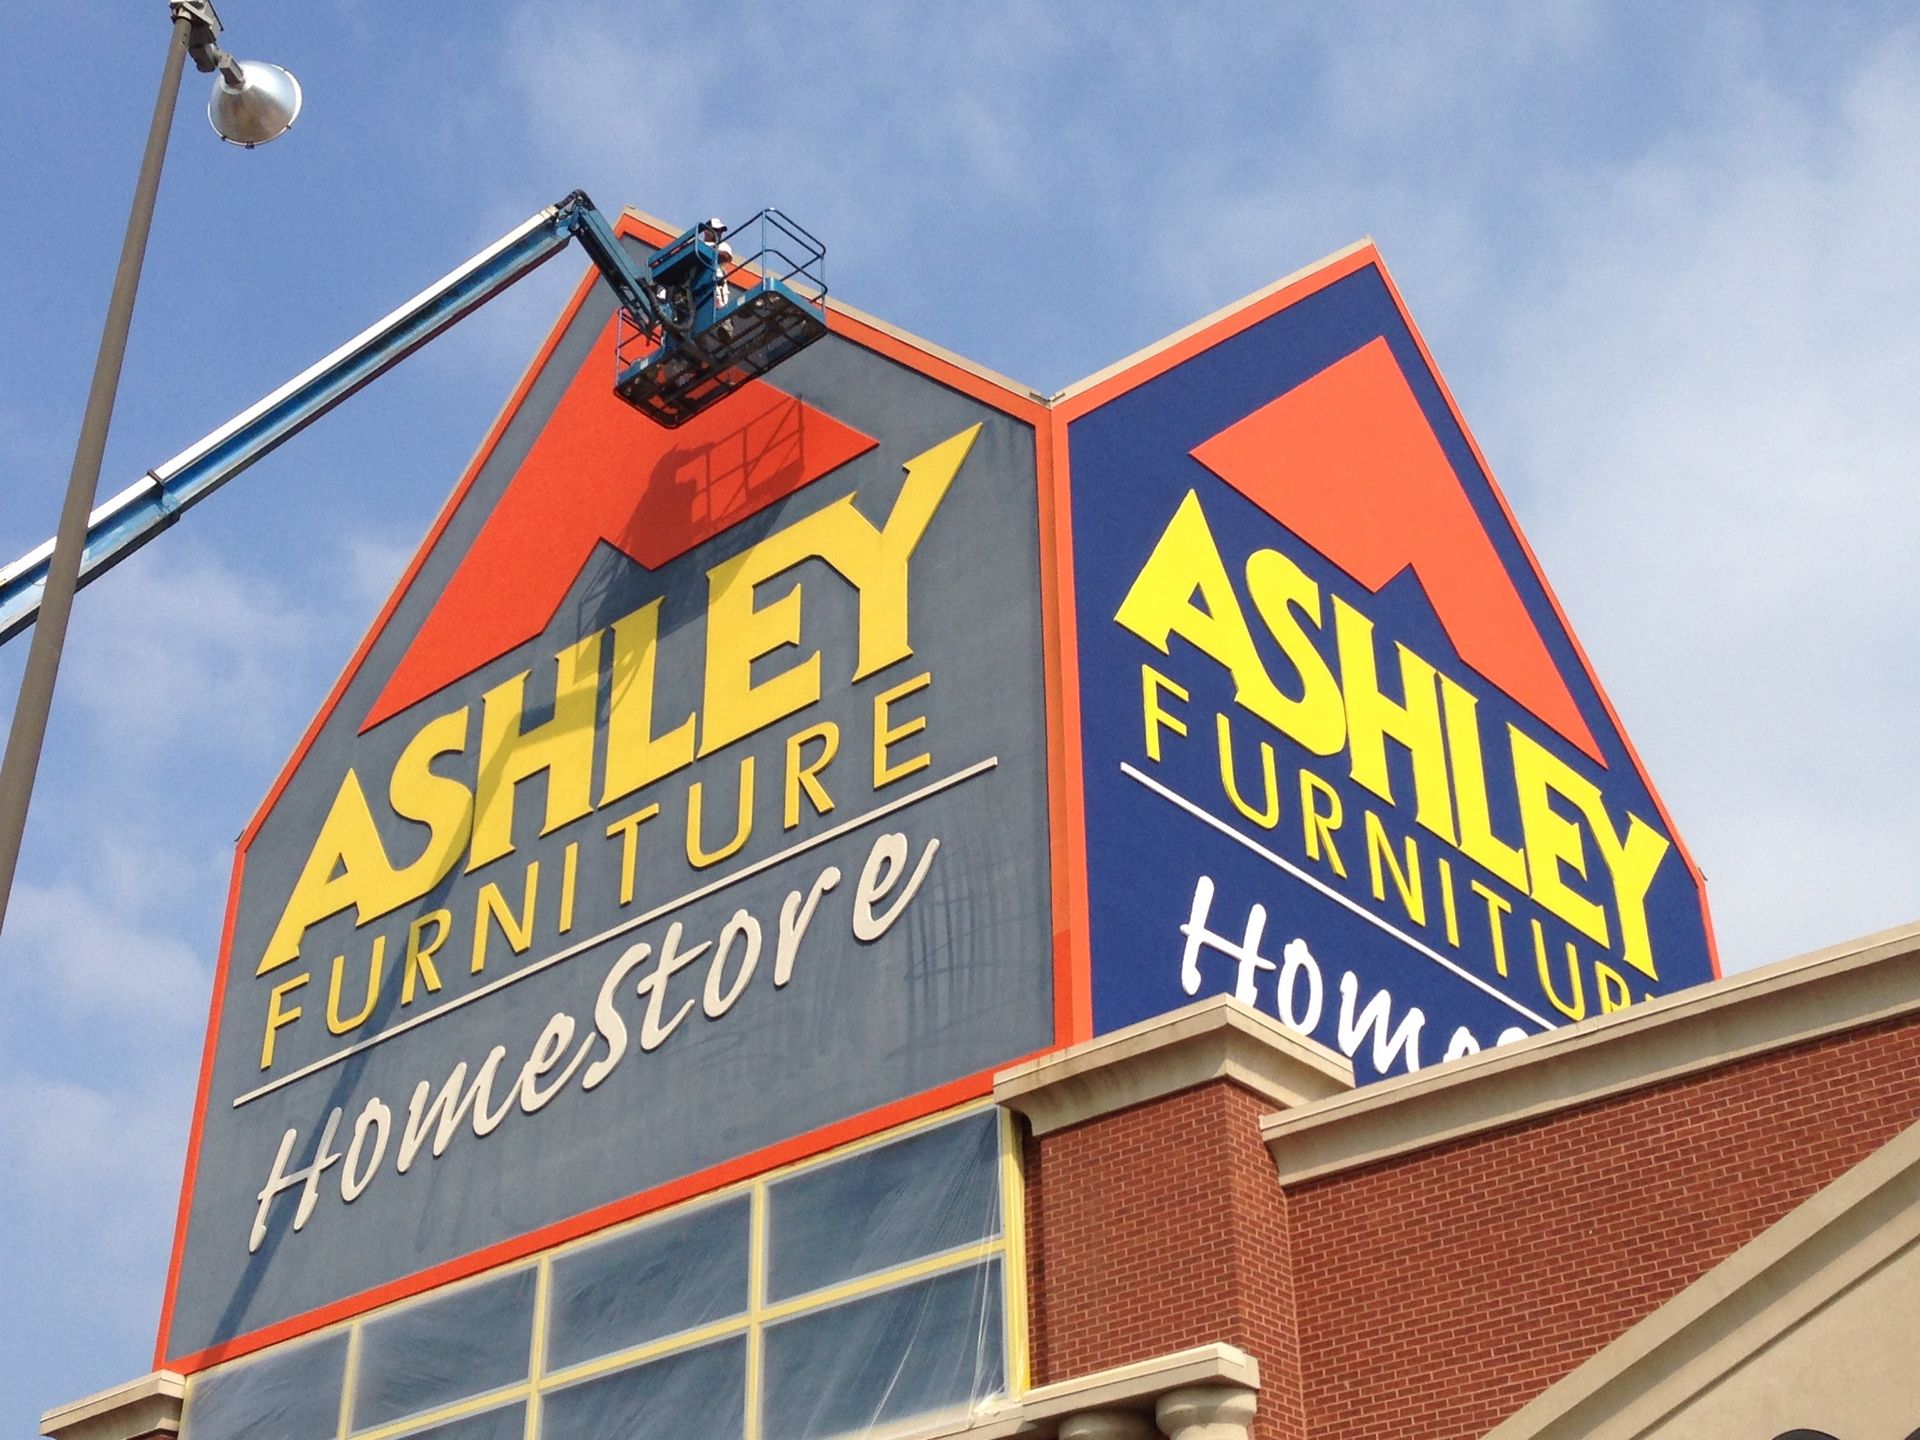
(374, 565)
(1707, 391)
(86, 957)
(1686, 344)
(180, 647)
(88, 1192)
(76, 1149)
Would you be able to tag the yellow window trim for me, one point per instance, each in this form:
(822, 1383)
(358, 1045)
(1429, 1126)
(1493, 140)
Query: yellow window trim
(1009, 1247)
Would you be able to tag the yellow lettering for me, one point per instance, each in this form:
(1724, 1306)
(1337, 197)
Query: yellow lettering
(1318, 719)
(873, 561)
(1160, 604)
(1497, 911)
(1551, 839)
(698, 855)
(1578, 1009)
(1631, 867)
(562, 747)
(1155, 716)
(420, 957)
(336, 1025)
(1372, 719)
(1319, 825)
(805, 775)
(1268, 815)
(1381, 862)
(635, 755)
(886, 734)
(1477, 839)
(1612, 986)
(441, 803)
(490, 908)
(629, 832)
(347, 866)
(279, 1015)
(569, 879)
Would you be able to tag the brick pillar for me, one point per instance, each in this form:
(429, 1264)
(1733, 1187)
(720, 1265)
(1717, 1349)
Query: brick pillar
(1154, 1219)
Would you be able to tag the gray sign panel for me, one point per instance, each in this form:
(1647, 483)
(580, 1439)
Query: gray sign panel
(535, 987)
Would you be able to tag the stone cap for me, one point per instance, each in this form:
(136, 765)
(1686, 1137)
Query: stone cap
(139, 1408)
(1140, 1385)
(1844, 987)
(1214, 1039)
(1037, 1415)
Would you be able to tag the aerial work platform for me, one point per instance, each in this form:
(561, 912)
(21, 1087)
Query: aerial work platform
(698, 321)
(723, 320)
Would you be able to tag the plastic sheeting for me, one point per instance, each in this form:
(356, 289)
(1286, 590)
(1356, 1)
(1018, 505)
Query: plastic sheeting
(924, 1348)
(847, 1343)
(692, 1393)
(882, 1207)
(665, 1277)
(470, 1340)
(290, 1393)
(509, 1422)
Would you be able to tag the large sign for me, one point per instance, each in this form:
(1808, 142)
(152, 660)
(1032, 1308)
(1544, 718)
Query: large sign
(707, 797)
(686, 810)
(1343, 758)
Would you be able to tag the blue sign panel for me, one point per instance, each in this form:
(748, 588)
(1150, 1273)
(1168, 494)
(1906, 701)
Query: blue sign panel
(1342, 756)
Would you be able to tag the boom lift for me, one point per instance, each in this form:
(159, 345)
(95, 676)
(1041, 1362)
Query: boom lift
(696, 323)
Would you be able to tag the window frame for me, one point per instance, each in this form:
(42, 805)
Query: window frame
(1008, 1247)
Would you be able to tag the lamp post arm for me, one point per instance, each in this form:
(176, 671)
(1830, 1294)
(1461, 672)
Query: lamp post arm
(22, 759)
(203, 44)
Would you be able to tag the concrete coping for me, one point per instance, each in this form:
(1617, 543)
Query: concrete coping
(147, 1406)
(151, 1404)
(1137, 1387)
(1206, 322)
(1214, 1039)
(1841, 988)
(838, 306)
(1748, 1303)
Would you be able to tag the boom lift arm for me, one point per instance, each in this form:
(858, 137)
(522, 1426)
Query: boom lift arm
(696, 324)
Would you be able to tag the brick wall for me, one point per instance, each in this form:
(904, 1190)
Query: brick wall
(1431, 1296)
(1161, 1227)
(1439, 1293)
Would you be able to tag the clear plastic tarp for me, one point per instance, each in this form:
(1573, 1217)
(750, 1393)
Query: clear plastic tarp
(508, 1422)
(469, 1340)
(663, 1278)
(291, 1393)
(694, 1393)
(930, 1348)
(878, 1208)
(865, 1290)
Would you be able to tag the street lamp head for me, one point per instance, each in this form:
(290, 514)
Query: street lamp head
(260, 108)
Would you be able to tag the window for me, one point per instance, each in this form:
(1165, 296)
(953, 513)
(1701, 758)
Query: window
(874, 1286)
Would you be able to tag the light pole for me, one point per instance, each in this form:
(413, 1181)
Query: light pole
(252, 103)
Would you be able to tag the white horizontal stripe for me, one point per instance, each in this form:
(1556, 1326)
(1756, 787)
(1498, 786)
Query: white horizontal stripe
(658, 912)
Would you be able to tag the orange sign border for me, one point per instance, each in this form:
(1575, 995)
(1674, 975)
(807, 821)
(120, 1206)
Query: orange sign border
(1073, 1013)
(1116, 380)
(1072, 982)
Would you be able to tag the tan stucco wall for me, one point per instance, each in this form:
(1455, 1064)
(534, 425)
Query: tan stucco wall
(1851, 1369)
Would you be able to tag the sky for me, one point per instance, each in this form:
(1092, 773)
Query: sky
(1668, 258)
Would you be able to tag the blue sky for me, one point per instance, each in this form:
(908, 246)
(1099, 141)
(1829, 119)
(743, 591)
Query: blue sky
(1668, 256)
